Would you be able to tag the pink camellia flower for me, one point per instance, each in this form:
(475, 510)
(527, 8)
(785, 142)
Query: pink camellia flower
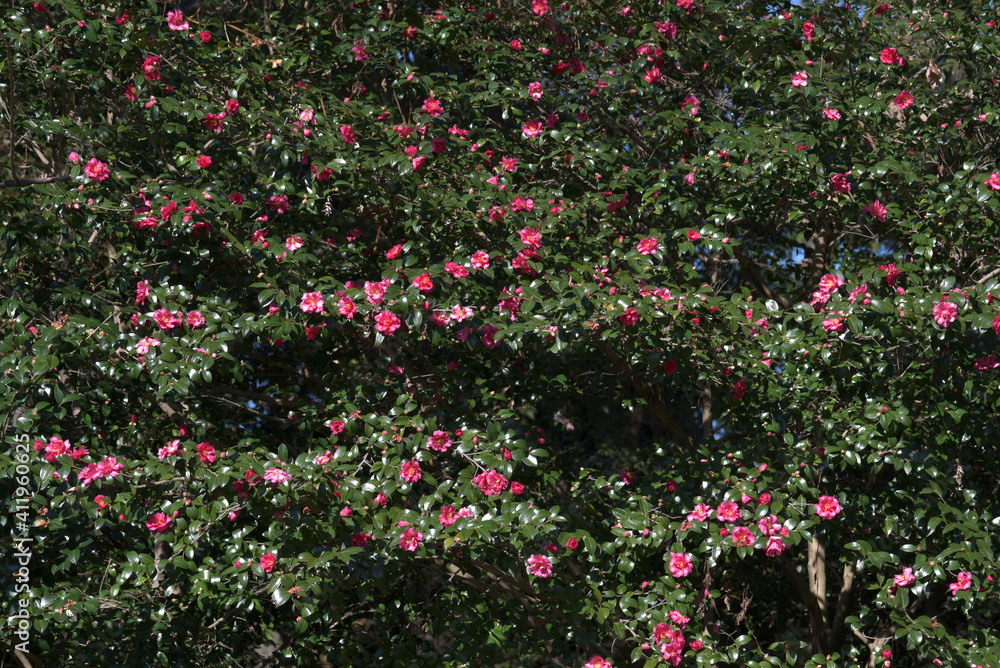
(648, 246)
(904, 99)
(205, 36)
(891, 274)
(206, 452)
(532, 129)
(96, 170)
(540, 566)
(214, 121)
(268, 561)
(669, 29)
(159, 523)
(419, 162)
(278, 203)
(491, 482)
(410, 471)
(74, 157)
(448, 516)
(769, 526)
(830, 282)
(876, 210)
(994, 181)
(387, 323)
(276, 476)
(424, 283)
(775, 546)
(232, 106)
(169, 450)
(889, 56)
(175, 20)
(480, 260)
(693, 236)
(904, 579)
(832, 114)
(945, 313)
(963, 581)
(742, 536)
(439, 441)
(840, 183)
(433, 107)
(835, 325)
(692, 104)
(540, 7)
(347, 132)
(151, 68)
(653, 75)
(347, 308)
(360, 53)
(141, 292)
(996, 324)
(986, 363)
(728, 511)
(411, 539)
(800, 79)
(515, 44)
(312, 302)
(535, 90)
(680, 564)
(204, 161)
(827, 507)
(597, 662)
(293, 243)
(531, 237)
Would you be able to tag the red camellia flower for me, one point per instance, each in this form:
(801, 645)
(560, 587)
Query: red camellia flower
(268, 561)
(206, 452)
(904, 99)
(205, 36)
(159, 523)
(694, 236)
(889, 56)
(204, 161)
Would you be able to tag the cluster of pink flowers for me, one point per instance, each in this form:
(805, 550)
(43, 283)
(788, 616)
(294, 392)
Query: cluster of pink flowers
(828, 285)
(491, 482)
(107, 468)
(57, 447)
(449, 515)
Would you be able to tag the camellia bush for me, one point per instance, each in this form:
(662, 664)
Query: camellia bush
(514, 333)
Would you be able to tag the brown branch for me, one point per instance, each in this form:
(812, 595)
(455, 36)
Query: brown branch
(837, 629)
(644, 391)
(815, 622)
(20, 183)
(748, 267)
(216, 390)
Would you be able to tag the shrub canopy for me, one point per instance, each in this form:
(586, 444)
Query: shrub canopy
(508, 333)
